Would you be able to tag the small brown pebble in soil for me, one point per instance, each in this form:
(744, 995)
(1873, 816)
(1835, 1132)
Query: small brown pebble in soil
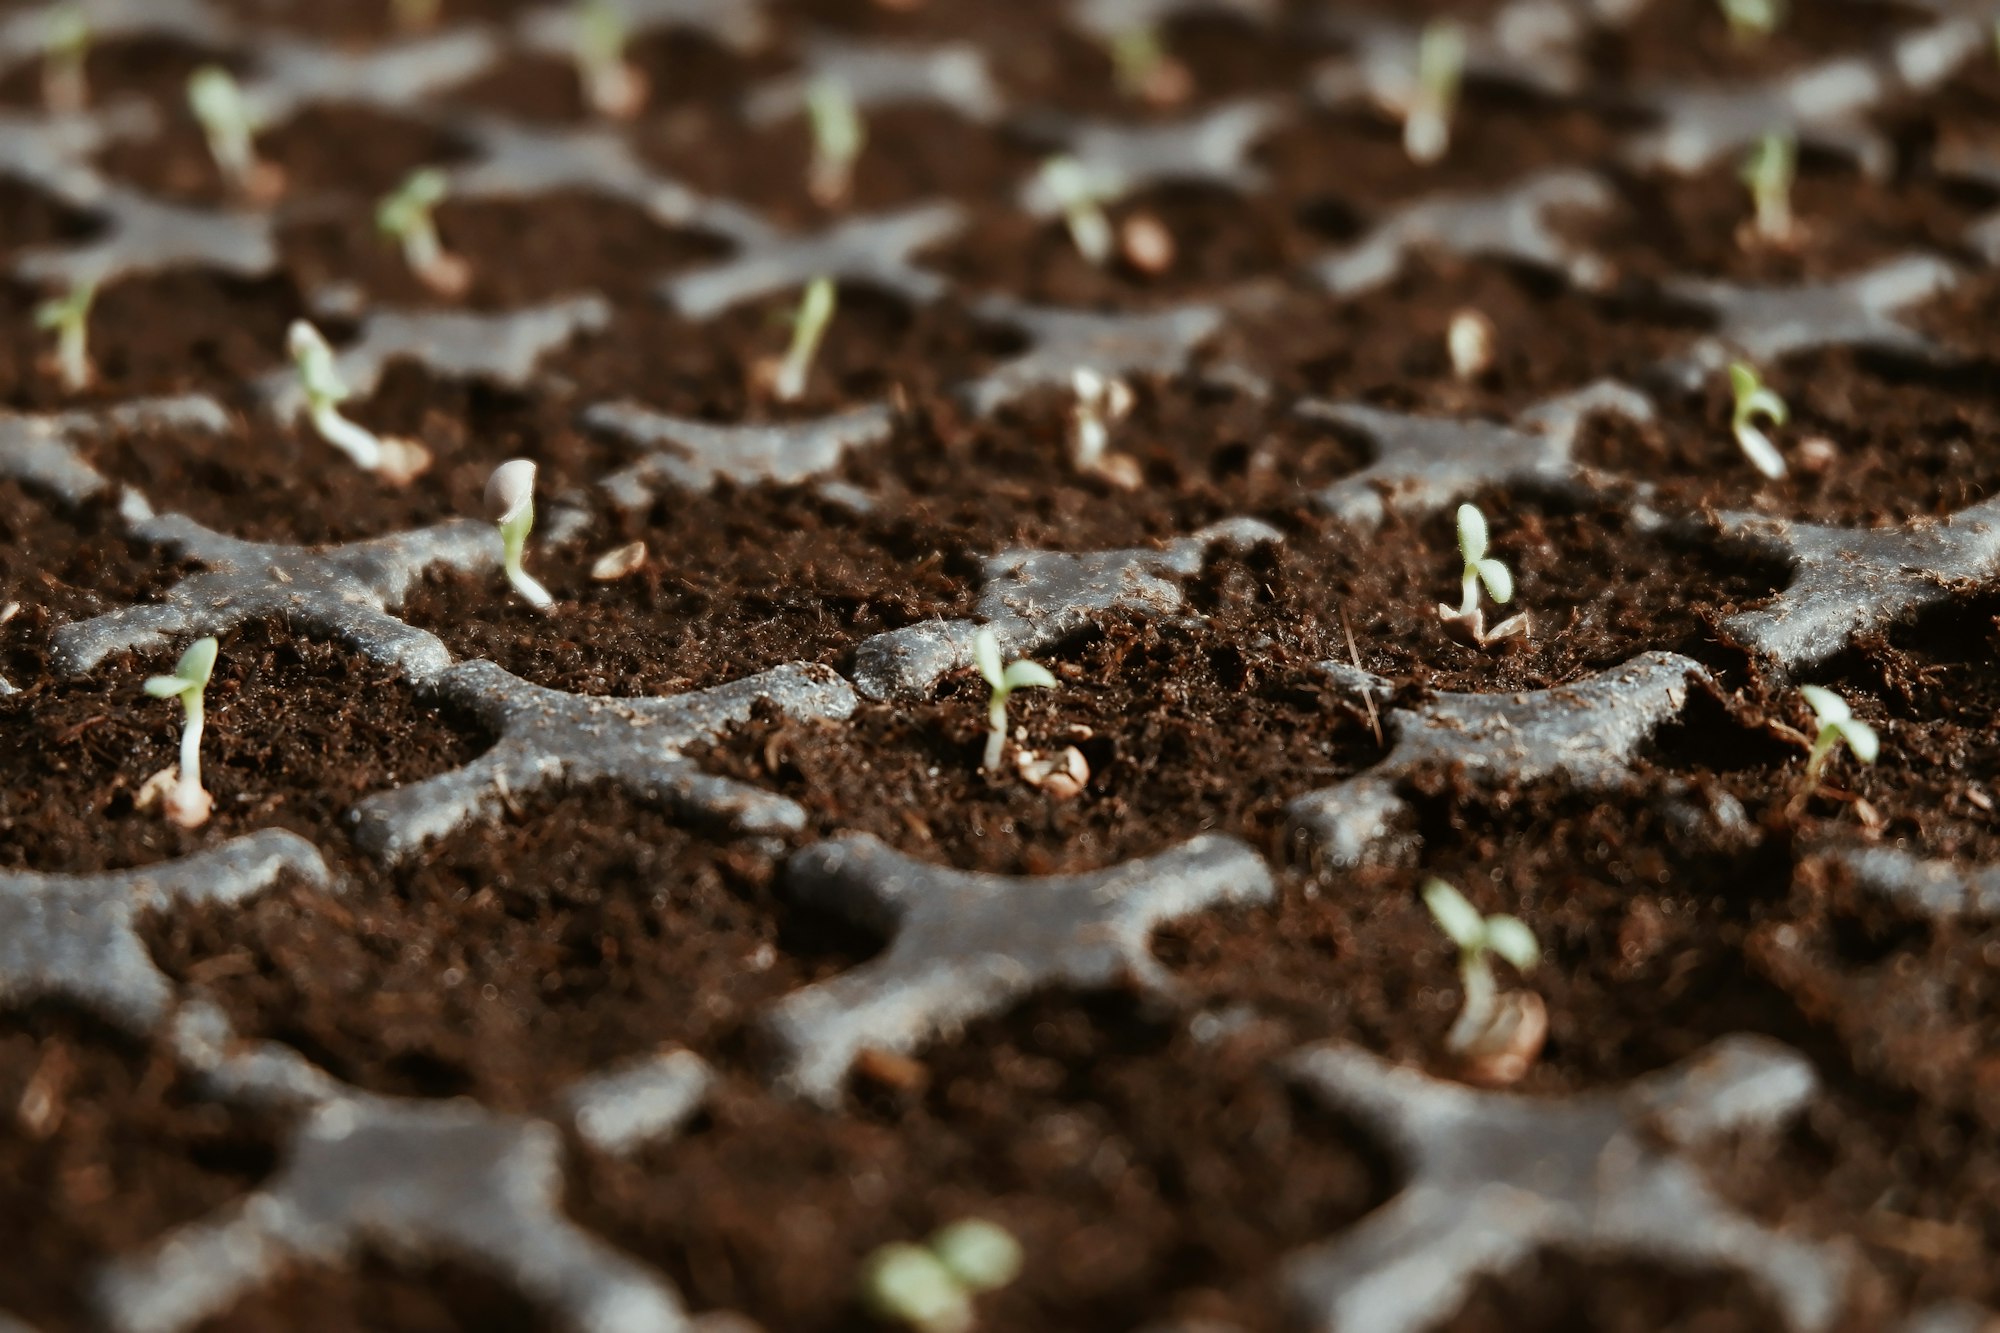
(1146, 244)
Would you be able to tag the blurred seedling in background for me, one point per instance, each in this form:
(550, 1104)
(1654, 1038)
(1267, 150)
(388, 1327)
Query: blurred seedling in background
(1016, 675)
(1496, 1037)
(1069, 186)
(65, 51)
(1753, 401)
(1145, 71)
(930, 1288)
(69, 316)
(231, 130)
(788, 378)
(1440, 70)
(838, 135)
(1469, 342)
(1101, 402)
(396, 461)
(177, 790)
(1768, 173)
(407, 217)
(510, 503)
(1480, 569)
(611, 85)
(1752, 21)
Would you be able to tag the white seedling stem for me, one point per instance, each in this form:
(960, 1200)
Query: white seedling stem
(69, 316)
(1754, 401)
(1440, 67)
(228, 125)
(510, 502)
(839, 135)
(188, 804)
(808, 331)
(1068, 184)
(1017, 675)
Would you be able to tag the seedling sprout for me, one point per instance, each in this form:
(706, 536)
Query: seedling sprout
(510, 502)
(1018, 675)
(69, 316)
(1481, 569)
(231, 129)
(1440, 69)
(1498, 1037)
(1101, 402)
(809, 325)
(611, 85)
(839, 135)
(64, 88)
(180, 792)
(1469, 340)
(930, 1287)
(1836, 725)
(396, 461)
(1751, 21)
(1143, 69)
(1069, 185)
(1753, 400)
(405, 216)
(1768, 172)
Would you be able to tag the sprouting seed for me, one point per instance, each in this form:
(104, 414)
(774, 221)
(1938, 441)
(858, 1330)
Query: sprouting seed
(930, 1287)
(839, 134)
(1440, 69)
(1478, 939)
(1768, 173)
(1017, 675)
(1751, 21)
(1101, 402)
(1469, 340)
(231, 129)
(69, 316)
(1836, 724)
(809, 325)
(180, 792)
(395, 460)
(65, 91)
(510, 503)
(1753, 400)
(406, 217)
(1143, 70)
(1069, 185)
(610, 84)
(1481, 570)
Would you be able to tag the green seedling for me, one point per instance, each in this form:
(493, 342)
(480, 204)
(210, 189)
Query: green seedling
(1069, 185)
(1480, 570)
(1768, 173)
(1754, 401)
(65, 91)
(931, 1287)
(809, 325)
(510, 503)
(1018, 675)
(230, 127)
(1143, 69)
(838, 135)
(1101, 402)
(1835, 725)
(1440, 71)
(610, 84)
(395, 461)
(179, 790)
(406, 217)
(1751, 21)
(69, 316)
(1503, 1035)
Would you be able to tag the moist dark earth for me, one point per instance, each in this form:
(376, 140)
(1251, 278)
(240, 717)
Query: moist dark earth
(1144, 1143)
